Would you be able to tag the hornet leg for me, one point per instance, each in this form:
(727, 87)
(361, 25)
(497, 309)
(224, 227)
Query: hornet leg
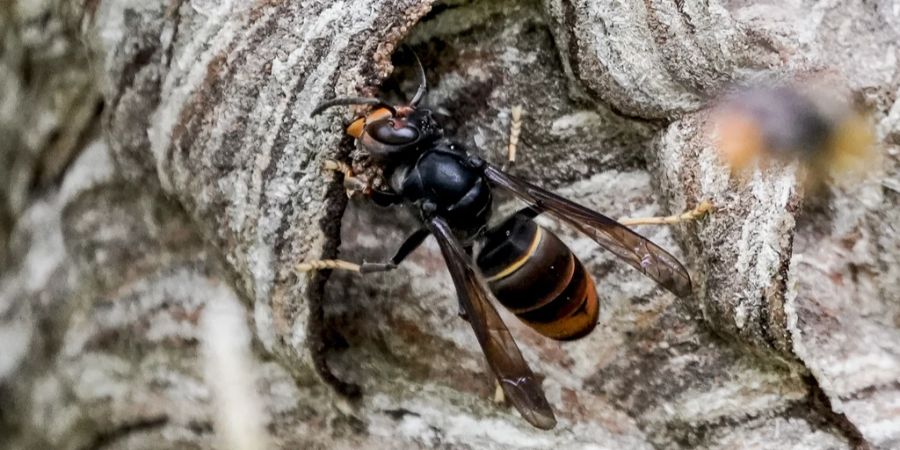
(410, 244)
(320, 334)
(353, 185)
(515, 129)
(701, 210)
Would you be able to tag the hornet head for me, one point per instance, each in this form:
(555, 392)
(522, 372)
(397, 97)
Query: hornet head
(391, 133)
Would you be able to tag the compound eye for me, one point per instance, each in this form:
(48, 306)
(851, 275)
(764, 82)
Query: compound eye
(386, 133)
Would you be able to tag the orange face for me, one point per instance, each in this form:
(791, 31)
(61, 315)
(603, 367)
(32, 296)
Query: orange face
(358, 126)
(394, 133)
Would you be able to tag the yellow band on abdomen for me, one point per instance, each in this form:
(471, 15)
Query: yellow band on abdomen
(538, 235)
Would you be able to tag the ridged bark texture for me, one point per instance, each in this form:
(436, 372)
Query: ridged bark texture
(160, 177)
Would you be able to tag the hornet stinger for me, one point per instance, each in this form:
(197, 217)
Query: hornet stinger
(527, 268)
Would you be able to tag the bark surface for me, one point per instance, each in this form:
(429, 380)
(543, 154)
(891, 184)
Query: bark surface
(160, 176)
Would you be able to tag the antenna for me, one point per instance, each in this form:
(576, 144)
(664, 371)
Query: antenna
(423, 85)
(343, 101)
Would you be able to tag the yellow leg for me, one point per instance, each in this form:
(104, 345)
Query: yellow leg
(701, 210)
(515, 130)
(324, 264)
(351, 183)
(340, 264)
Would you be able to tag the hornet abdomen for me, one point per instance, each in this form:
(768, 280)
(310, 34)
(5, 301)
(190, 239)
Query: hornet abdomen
(538, 278)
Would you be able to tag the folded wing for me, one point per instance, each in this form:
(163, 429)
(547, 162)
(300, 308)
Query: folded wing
(522, 387)
(631, 247)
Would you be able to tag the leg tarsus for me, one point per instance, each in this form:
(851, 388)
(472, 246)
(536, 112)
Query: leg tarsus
(410, 244)
(367, 267)
(699, 211)
(515, 129)
(327, 264)
(339, 264)
(352, 184)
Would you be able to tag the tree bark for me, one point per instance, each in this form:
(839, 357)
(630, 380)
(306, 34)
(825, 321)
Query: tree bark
(161, 177)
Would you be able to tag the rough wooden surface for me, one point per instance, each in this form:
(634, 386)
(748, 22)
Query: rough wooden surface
(146, 291)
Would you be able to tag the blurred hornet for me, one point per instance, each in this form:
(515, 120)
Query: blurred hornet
(526, 267)
(760, 125)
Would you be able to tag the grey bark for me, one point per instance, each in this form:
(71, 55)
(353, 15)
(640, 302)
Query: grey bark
(127, 237)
